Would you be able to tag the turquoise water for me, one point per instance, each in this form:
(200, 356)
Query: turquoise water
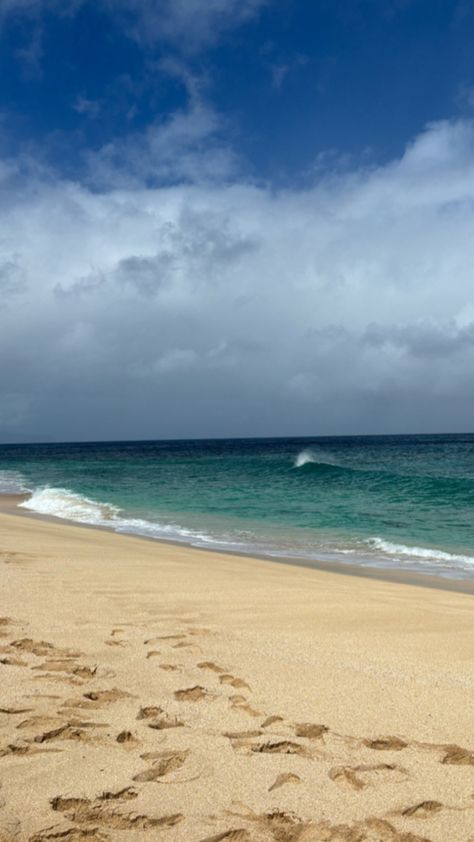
(400, 501)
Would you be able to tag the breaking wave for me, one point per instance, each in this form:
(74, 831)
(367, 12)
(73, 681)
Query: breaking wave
(68, 505)
(60, 502)
(427, 554)
(314, 457)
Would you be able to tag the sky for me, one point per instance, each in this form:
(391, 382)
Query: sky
(236, 218)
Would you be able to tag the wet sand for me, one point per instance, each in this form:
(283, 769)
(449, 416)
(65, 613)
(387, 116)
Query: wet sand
(151, 691)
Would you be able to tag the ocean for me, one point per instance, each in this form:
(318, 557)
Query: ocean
(384, 501)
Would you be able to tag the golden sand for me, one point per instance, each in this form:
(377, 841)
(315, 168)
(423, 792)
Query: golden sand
(156, 692)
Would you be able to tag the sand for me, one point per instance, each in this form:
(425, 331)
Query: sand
(156, 692)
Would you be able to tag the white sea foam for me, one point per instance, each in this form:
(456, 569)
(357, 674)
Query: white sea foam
(153, 529)
(426, 554)
(12, 482)
(60, 502)
(65, 504)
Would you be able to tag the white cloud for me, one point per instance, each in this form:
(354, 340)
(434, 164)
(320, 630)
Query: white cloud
(188, 24)
(214, 307)
(186, 146)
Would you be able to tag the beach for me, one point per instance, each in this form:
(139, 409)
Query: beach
(154, 691)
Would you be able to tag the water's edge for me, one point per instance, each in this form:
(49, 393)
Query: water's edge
(10, 505)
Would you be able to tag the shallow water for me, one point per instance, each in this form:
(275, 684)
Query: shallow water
(396, 501)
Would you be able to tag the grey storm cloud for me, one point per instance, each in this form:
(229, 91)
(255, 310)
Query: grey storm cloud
(220, 307)
(422, 339)
(11, 279)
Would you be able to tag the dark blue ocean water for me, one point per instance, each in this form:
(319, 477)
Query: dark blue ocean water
(404, 501)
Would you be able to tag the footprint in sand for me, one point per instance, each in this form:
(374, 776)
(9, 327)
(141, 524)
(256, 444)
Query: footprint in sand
(367, 830)
(210, 665)
(272, 720)
(97, 699)
(288, 827)
(192, 694)
(21, 749)
(73, 835)
(12, 661)
(457, 756)
(235, 835)
(35, 722)
(386, 744)
(82, 671)
(158, 719)
(244, 745)
(423, 810)
(163, 763)
(43, 649)
(57, 677)
(102, 813)
(238, 683)
(284, 778)
(310, 731)
(280, 747)
(113, 640)
(240, 703)
(127, 739)
(280, 825)
(359, 777)
(166, 638)
(242, 735)
(73, 730)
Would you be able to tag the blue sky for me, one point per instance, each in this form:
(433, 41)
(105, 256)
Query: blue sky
(235, 217)
(291, 81)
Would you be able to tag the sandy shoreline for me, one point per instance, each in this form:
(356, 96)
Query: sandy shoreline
(9, 504)
(153, 691)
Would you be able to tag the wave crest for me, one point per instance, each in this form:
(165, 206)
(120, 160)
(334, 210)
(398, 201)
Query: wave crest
(421, 553)
(68, 505)
(310, 456)
(303, 457)
(60, 502)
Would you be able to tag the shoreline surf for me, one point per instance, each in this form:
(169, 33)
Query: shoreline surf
(394, 502)
(9, 505)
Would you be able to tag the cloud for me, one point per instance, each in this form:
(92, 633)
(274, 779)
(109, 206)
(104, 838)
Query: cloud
(11, 278)
(188, 145)
(89, 107)
(187, 25)
(203, 305)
